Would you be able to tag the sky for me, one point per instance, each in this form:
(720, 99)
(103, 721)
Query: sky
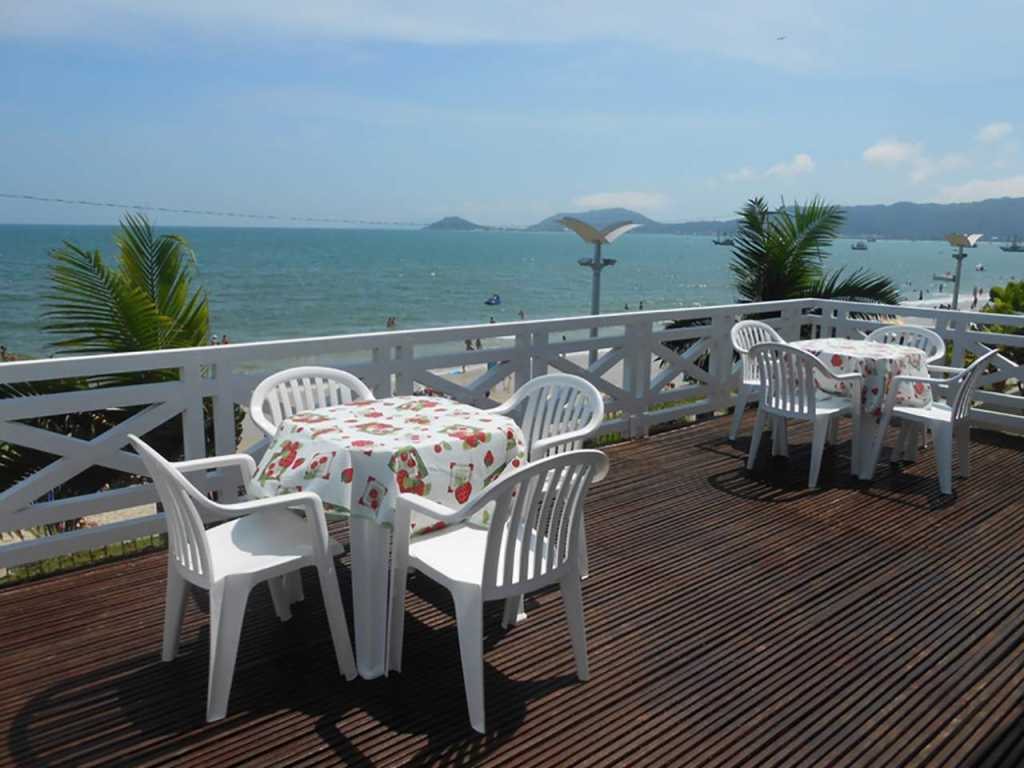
(503, 112)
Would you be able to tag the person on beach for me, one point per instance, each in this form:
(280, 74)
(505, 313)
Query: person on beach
(479, 345)
(469, 345)
(641, 306)
(627, 307)
(3, 354)
(522, 315)
(492, 319)
(214, 340)
(224, 339)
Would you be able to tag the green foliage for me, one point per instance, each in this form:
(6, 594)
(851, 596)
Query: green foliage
(148, 300)
(781, 255)
(1008, 300)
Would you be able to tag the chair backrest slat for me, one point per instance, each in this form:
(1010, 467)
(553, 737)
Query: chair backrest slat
(970, 380)
(554, 405)
(787, 378)
(292, 391)
(745, 335)
(186, 535)
(925, 339)
(536, 521)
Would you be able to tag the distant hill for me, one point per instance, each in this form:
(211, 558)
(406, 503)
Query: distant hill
(455, 223)
(1002, 217)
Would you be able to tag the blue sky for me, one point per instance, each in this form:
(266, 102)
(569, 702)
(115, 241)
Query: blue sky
(504, 112)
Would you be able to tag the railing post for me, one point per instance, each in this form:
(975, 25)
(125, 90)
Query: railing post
(192, 421)
(720, 362)
(523, 358)
(404, 383)
(380, 382)
(224, 441)
(636, 375)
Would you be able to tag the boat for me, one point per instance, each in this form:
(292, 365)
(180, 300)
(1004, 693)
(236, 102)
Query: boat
(979, 267)
(720, 240)
(872, 239)
(493, 300)
(1015, 246)
(860, 245)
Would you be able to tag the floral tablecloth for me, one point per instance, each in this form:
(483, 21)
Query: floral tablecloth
(359, 457)
(877, 363)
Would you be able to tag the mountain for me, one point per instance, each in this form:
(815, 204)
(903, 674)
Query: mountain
(455, 223)
(998, 217)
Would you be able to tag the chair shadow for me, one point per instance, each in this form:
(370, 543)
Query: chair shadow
(140, 708)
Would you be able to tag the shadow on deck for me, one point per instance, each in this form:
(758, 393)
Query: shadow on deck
(734, 618)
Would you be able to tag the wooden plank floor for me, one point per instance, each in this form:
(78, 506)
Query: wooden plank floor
(734, 619)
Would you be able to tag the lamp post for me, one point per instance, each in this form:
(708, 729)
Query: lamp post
(959, 241)
(597, 237)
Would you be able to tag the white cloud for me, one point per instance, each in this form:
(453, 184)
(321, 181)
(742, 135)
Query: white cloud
(983, 189)
(891, 152)
(800, 164)
(636, 200)
(993, 132)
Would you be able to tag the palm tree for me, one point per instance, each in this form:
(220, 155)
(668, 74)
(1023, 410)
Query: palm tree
(148, 300)
(781, 255)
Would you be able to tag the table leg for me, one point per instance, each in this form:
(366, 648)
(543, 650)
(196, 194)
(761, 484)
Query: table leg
(369, 595)
(868, 433)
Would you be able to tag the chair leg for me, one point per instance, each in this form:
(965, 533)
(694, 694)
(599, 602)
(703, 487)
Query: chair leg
(174, 612)
(469, 617)
(913, 442)
(879, 441)
(336, 619)
(780, 437)
(227, 612)
(572, 599)
(279, 596)
(755, 438)
(943, 436)
(293, 586)
(821, 427)
(515, 611)
(833, 433)
(741, 405)
(963, 449)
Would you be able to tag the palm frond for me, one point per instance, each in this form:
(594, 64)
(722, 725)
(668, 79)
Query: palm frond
(859, 285)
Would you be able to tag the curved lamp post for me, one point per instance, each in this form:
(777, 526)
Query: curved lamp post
(960, 241)
(597, 237)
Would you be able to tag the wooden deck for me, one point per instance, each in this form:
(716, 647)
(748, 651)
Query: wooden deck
(733, 619)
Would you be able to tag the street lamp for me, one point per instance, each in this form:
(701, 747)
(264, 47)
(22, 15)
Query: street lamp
(959, 241)
(598, 237)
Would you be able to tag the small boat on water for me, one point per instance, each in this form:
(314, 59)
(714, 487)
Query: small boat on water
(1015, 246)
(979, 267)
(860, 245)
(872, 239)
(722, 240)
(493, 300)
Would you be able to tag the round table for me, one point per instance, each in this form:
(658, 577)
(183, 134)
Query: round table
(878, 364)
(360, 456)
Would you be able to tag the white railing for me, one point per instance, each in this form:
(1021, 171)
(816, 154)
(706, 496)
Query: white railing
(644, 382)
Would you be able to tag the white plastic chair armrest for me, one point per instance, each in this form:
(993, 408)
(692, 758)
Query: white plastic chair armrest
(433, 509)
(245, 463)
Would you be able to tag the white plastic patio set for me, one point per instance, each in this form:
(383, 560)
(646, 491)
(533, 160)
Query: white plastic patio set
(488, 503)
(881, 379)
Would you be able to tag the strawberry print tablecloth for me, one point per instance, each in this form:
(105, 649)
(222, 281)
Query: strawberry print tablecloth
(877, 363)
(359, 457)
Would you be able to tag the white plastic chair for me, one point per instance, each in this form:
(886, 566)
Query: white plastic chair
(789, 390)
(947, 421)
(533, 541)
(230, 559)
(556, 412)
(294, 390)
(925, 339)
(745, 334)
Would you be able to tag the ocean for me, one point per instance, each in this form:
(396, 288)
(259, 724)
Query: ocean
(289, 283)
